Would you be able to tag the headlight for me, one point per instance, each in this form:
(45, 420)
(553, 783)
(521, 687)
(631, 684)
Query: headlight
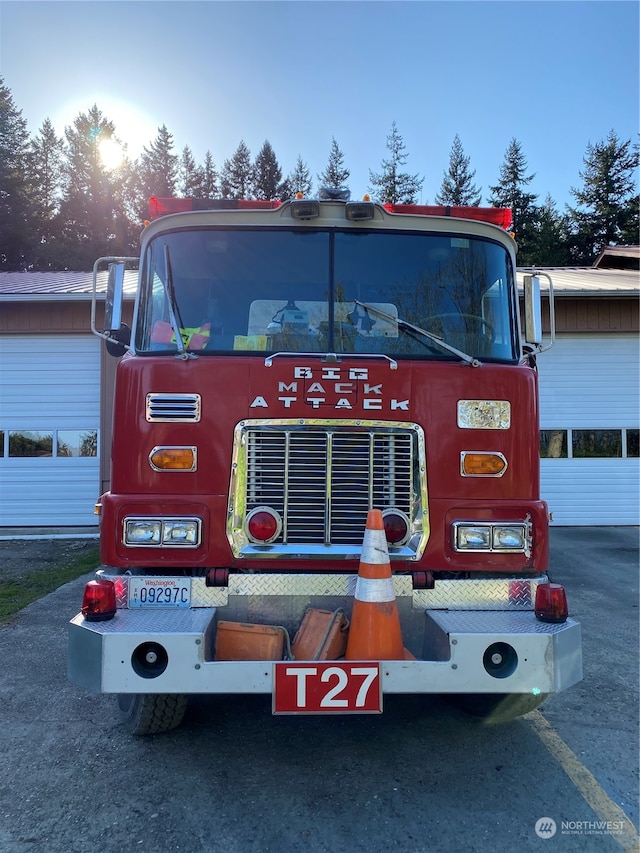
(494, 536)
(509, 537)
(138, 531)
(180, 532)
(473, 537)
(159, 532)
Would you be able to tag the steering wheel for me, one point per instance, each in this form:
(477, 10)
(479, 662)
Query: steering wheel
(488, 328)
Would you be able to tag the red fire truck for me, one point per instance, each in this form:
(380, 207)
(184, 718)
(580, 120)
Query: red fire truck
(290, 367)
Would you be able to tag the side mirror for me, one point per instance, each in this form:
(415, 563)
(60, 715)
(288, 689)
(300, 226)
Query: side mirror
(113, 300)
(116, 334)
(532, 310)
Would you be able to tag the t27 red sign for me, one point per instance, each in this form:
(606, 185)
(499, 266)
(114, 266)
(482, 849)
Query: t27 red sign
(332, 687)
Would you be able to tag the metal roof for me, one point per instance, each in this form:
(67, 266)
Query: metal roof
(64, 285)
(70, 286)
(587, 281)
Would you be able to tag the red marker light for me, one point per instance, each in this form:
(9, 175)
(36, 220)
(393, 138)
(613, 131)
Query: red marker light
(396, 526)
(99, 600)
(263, 525)
(551, 603)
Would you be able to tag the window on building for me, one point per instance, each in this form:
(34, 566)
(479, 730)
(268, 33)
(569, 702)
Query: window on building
(77, 442)
(591, 443)
(553, 444)
(633, 441)
(30, 443)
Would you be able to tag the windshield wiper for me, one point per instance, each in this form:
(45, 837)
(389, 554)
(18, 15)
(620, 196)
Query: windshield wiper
(174, 311)
(436, 339)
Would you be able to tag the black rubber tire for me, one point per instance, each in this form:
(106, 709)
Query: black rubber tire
(496, 708)
(151, 713)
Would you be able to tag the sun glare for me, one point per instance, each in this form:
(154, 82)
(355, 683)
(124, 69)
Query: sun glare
(132, 125)
(111, 153)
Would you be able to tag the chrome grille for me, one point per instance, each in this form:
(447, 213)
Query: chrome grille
(322, 478)
(178, 408)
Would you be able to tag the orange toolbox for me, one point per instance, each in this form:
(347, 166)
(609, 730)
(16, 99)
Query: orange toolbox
(243, 641)
(322, 636)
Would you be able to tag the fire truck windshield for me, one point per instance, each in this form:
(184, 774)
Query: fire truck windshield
(277, 290)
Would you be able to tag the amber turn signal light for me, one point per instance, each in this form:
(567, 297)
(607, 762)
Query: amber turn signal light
(482, 464)
(173, 458)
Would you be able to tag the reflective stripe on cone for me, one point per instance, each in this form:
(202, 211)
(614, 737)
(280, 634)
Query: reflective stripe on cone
(374, 633)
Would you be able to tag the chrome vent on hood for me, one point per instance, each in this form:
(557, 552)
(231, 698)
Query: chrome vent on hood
(173, 408)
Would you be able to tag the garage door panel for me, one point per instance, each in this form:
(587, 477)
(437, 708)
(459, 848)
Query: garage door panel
(48, 492)
(591, 382)
(596, 493)
(49, 383)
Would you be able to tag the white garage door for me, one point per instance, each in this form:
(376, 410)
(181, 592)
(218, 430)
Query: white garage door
(589, 419)
(49, 430)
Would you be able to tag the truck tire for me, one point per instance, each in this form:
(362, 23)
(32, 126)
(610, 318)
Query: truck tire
(496, 708)
(151, 714)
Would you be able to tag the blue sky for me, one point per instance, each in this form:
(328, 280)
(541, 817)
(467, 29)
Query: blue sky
(553, 75)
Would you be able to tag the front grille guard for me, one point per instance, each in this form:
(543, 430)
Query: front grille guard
(322, 477)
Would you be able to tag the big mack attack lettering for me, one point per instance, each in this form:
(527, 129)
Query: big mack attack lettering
(333, 388)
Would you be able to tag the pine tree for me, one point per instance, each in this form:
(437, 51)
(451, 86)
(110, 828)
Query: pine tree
(16, 233)
(607, 210)
(158, 167)
(300, 179)
(45, 179)
(236, 178)
(457, 188)
(209, 177)
(550, 247)
(335, 175)
(392, 185)
(510, 192)
(267, 174)
(190, 176)
(90, 217)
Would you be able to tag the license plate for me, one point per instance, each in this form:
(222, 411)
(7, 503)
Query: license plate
(334, 687)
(159, 592)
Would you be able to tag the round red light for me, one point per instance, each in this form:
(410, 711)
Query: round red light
(99, 600)
(396, 527)
(263, 525)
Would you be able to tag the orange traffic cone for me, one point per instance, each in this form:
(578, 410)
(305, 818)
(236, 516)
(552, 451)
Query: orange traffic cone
(375, 632)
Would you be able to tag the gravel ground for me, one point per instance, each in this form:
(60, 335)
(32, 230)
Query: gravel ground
(19, 557)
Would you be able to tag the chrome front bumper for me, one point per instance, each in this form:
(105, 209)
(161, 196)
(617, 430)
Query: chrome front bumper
(450, 645)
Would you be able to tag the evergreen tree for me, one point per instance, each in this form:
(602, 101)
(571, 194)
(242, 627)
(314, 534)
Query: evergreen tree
(89, 221)
(300, 179)
(125, 193)
(335, 175)
(607, 209)
(190, 176)
(391, 185)
(550, 247)
(457, 188)
(158, 167)
(236, 178)
(45, 180)
(267, 174)
(209, 177)
(16, 233)
(510, 192)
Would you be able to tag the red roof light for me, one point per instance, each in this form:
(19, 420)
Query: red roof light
(495, 215)
(163, 206)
